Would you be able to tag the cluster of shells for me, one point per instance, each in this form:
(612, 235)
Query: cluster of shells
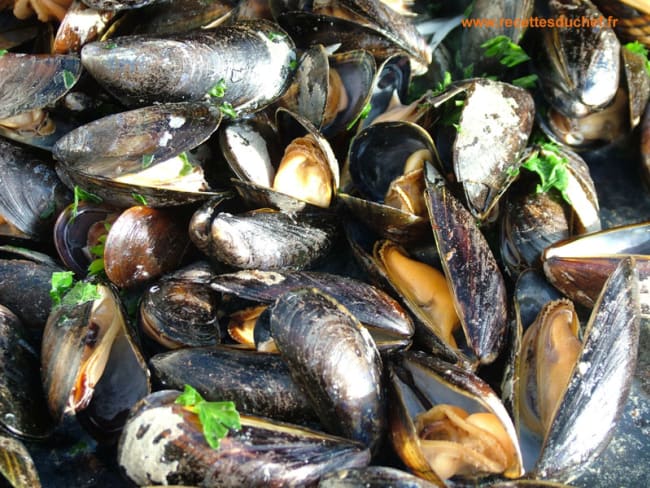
(267, 211)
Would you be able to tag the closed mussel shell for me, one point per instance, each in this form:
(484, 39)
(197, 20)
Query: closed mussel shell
(23, 409)
(335, 361)
(373, 477)
(258, 383)
(388, 323)
(163, 443)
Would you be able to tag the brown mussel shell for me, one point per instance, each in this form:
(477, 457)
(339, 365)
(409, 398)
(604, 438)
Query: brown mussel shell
(335, 361)
(162, 442)
(16, 464)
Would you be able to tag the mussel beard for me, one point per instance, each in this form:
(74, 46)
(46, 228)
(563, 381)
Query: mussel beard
(304, 172)
(550, 352)
(45, 10)
(457, 443)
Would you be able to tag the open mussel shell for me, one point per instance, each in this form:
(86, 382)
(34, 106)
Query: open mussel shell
(162, 442)
(118, 4)
(357, 25)
(32, 194)
(584, 420)
(258, 383)
(579, 267)
(23, 409)
(142, 244)
(477, 286)
(372, 477)
(495, 123)
(389, 325)
(578, 68)
(256, 160)
(90, 362)
(419, 384)
(184, 67)
(35, 81)
(80, 25)
(638, 84)
(148, 138)
(180, 310)
(645, 146)
(345, 388)
(377, 157)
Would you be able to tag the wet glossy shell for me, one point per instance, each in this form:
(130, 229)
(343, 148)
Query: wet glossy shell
(477, 285)
(16, 464)
(163, 443)
(333, 359)
(80, 26)
(117, 4)
(34, 81)
(184, 67)
(258, 383)
(373, 477)
(23, 409)
(144, 243)
(32, 194)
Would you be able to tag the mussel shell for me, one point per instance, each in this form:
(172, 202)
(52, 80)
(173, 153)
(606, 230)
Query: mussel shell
(184, 67)
(142, 244)
(372, 477)
(35, 81)
(16, 465)
(117, 4)
(23, 409)
(638, 84)
(162, 443)
(645, 146)
(32, 194)
(474, 277)
(335, 361)
(271, 240)
(495, 123)
(258, 383)
(387, 322)
(79, 26)
(180, 310)
(593, 402)
(579, 267)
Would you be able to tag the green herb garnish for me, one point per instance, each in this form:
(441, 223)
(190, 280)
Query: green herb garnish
(637, 48)
(443, 85)
(365, 111)
(218, 90)
(293, 65)
(109, 45)
(139, 199)
(3, 52)
(187, 167)
(275, 36)
(68, 79)
(48, 211)
(64, 292)
(147, 159)
(79, 195)
(97, 265)
(551, 167)
(227, 109)
(525, 81)
(216, 417)
(509, 53)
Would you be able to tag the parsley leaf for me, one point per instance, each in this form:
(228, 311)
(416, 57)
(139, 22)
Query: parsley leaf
(443, 85)
(509, 53)
(79, 195)
(187, 167)
(638, 48)
(216, 417)
(147, 159)
(139, 199)
(227, 109)
(218, 90)
(68, 79)
(275, 36)
(365, 111)
(64, 293)
(551, 168)
(109, 45)
(97, 265)
(3, 52)
(525, 81)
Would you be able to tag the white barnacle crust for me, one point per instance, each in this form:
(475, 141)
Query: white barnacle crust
(145, 438)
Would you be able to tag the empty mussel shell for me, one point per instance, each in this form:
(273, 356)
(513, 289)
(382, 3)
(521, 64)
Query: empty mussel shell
(162, 442)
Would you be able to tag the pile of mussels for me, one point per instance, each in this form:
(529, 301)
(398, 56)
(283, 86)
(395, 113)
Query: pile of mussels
(314, 210)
